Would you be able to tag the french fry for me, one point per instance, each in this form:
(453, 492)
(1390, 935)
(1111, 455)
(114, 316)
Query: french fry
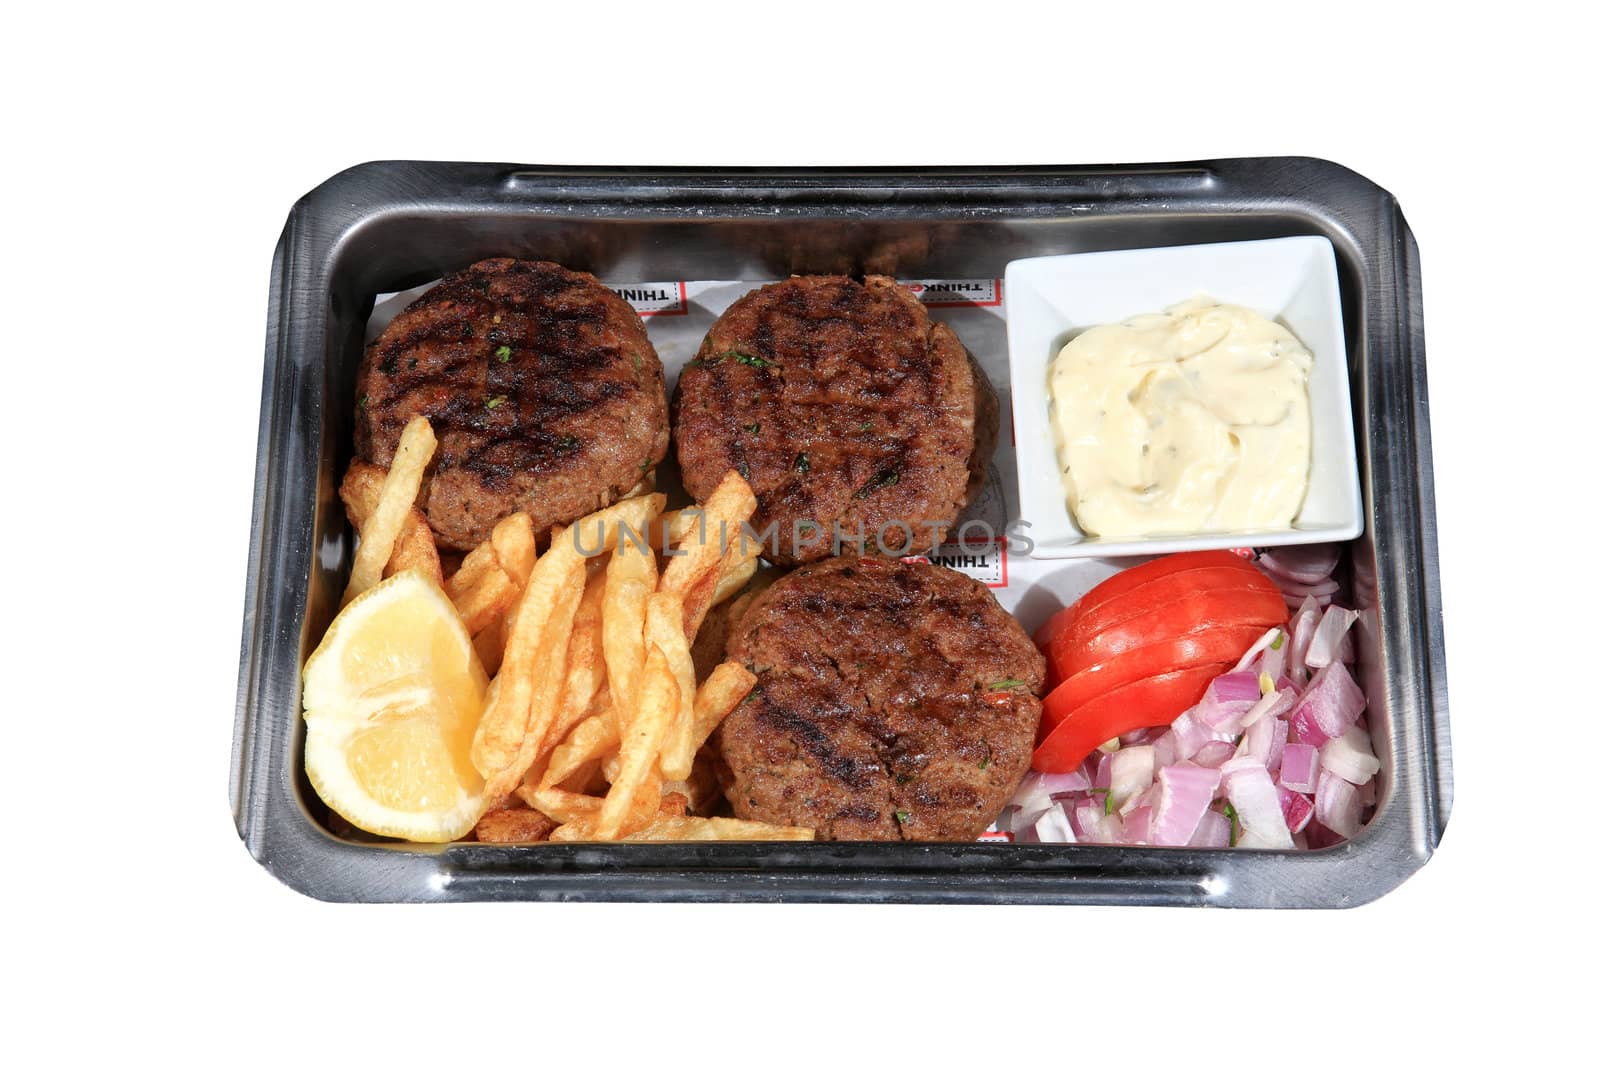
(586, 775)
(514, 826)
(585, 779)
(642, 739)
(721, 693)
(489, 599)
(513, 727)
(475, 566)
(731, 581)
(415, 550)
(592, 739)
(582, 822)
(586, 663)
(714, 534)
(363, 483)
(646, 804)
(514, 549)
(664, 631)
(491, 645)
(674, 527)
(630, 579)
(565, 807)
(491, 577)
(514, 721)
(576, 830)
(690, 828)
(400, 488)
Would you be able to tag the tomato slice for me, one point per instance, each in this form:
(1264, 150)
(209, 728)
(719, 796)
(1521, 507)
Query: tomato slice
(1217, 644)
(1134, 577)
(1184, 617)
(1055, 625)
(1153, 701)
(1155, 596)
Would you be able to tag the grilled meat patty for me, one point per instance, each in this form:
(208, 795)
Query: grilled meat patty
(840, 402)
(544, 392)
(893, 701)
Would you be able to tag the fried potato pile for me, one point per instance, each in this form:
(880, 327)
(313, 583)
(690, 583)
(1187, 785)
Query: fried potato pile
(594, 715)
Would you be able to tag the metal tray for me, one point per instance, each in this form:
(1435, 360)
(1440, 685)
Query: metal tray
(383, 227)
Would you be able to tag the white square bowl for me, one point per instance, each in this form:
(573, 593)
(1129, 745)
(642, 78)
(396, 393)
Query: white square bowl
(1293, 280)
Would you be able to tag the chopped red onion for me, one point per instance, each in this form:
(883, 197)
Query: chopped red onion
(1165, 747)
(1306, 564)
(1270, 706)
(1227, 698)
(1274, 660)
(1032, 800)
(1184, 792)
(1301, 628)
(1053, 827)
(1265, 740)
(1303, 727)
(1298, 770)
(1136, 827)
(1060, 785)
(1214, 754)
(1144, 799)
(1329, 636)
(1250, 789)
(1192, 734)
(1212, 832)
(1299, 591)
(1095, 825)
(1132, 771)
(1319, 836)
(1102, 769)
(1134, 737)
(1263, 643)
(1350, 756)
(1338, 806)
(1297, 809)
(1235, 687)
(1331, 702)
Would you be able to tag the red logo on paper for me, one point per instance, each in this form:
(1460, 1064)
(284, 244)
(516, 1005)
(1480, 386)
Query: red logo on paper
(957, 292)
(655, 298)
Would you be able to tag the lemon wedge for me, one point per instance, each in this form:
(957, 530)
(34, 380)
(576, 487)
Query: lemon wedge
(392, 696)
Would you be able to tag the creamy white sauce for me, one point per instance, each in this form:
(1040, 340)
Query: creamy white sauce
(1195, 419)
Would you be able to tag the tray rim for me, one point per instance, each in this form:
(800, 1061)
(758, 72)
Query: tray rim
(1363, 220)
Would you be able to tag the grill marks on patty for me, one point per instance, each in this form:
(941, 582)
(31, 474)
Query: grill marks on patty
(870, 718)
(839, 401)
(452, 335)
(542, 386)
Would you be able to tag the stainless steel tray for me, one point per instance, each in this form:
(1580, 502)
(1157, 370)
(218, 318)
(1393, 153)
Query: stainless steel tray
(383, 227)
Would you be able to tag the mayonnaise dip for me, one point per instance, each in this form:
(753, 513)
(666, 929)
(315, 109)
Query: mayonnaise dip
(1184, 421)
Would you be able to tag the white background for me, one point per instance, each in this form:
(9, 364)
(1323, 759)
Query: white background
(151, 159)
